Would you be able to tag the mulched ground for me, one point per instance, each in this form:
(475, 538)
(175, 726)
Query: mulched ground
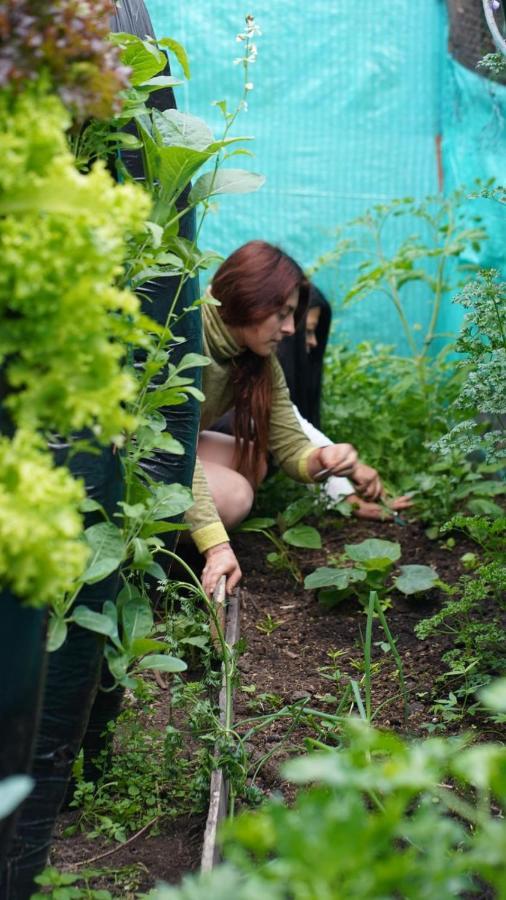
(289, 666)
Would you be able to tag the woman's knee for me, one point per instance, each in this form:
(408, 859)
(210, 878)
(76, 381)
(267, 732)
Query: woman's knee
(240, 500)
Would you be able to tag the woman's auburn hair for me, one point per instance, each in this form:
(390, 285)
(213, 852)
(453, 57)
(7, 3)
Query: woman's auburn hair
(251, 284)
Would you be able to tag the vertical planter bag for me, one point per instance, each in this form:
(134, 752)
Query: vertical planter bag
(22, 659)
(73, 677)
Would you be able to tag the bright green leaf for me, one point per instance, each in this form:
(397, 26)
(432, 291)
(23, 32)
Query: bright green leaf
(303, 536)
(414, 579)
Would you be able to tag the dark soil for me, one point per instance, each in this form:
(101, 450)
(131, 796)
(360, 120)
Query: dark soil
(169, 855)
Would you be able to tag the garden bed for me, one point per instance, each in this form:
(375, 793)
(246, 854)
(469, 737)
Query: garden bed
(311, 653)
(302, 656)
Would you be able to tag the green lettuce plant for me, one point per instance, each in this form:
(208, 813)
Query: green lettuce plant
(41, 555)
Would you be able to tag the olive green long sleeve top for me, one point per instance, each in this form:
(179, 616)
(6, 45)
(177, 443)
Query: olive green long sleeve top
(287, 442)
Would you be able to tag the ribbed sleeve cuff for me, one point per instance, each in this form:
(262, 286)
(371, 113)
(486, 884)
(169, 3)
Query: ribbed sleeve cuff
(209, 536)
(303, 464)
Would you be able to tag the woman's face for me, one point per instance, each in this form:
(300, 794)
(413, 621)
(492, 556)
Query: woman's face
(312, 319)
(264, 337)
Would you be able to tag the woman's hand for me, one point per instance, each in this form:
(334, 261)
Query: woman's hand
(367, 481)
(381, 512)
(336, 459)
(220, 560)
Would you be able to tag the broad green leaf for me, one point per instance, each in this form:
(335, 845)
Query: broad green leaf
(156, 571)
(259, 524)
(326, 576)
(145, 59)
(133, 510)
(330, 597)
(296, 511)
(161, 81)
(140, 646)
(100, 570)
(13, 791)
(161, 527)
(162, 663)
(178, 51)
(303, 536)
(192, 360)
(483, 507)
(89, 505)
(175, 128)
(94, 621)
(142, 553)
(414, 579)
(225, 181)
(108, 551)
(136, 617)
(374, 554)
(127, 592)
(174, 167)
(56, 633)
(170, 500)
(169, 444)
(118, 662)
(494, 695)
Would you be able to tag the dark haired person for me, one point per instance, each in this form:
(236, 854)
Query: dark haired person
(301, 356)
(262, 296)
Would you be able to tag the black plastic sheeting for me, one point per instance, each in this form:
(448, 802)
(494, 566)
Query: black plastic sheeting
(74, 710)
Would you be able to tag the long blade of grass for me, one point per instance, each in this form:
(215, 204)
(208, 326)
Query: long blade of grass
(373, 598)
(396, 656)
(358, 699)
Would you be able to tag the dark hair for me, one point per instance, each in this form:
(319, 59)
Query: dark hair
(251, 284)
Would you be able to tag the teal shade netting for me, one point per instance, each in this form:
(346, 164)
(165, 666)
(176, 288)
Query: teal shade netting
(353, 104)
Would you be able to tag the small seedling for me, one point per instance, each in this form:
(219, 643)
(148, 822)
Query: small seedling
(287, 531)
(269, 624)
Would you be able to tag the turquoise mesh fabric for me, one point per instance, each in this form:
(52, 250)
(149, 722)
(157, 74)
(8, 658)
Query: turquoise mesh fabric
(346, 109)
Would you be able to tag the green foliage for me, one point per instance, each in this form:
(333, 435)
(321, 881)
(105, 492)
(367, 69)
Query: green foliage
(495, 63)
(41, 555)
(64, 324)
(370, 384)
(482, 395)
(130, 793)
(69, 885)
(474, 617)
(68, 41)
(371, 563)
(380, 820)
(441, 232)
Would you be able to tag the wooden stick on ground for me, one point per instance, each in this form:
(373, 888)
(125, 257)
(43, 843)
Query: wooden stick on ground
(219, 603)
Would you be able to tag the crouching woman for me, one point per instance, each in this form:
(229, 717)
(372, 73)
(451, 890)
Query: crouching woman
(261, 296)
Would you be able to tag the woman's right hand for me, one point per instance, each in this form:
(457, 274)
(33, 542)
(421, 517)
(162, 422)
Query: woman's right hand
(220, 560)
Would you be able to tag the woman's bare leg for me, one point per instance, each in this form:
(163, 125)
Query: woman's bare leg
(232, 492)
